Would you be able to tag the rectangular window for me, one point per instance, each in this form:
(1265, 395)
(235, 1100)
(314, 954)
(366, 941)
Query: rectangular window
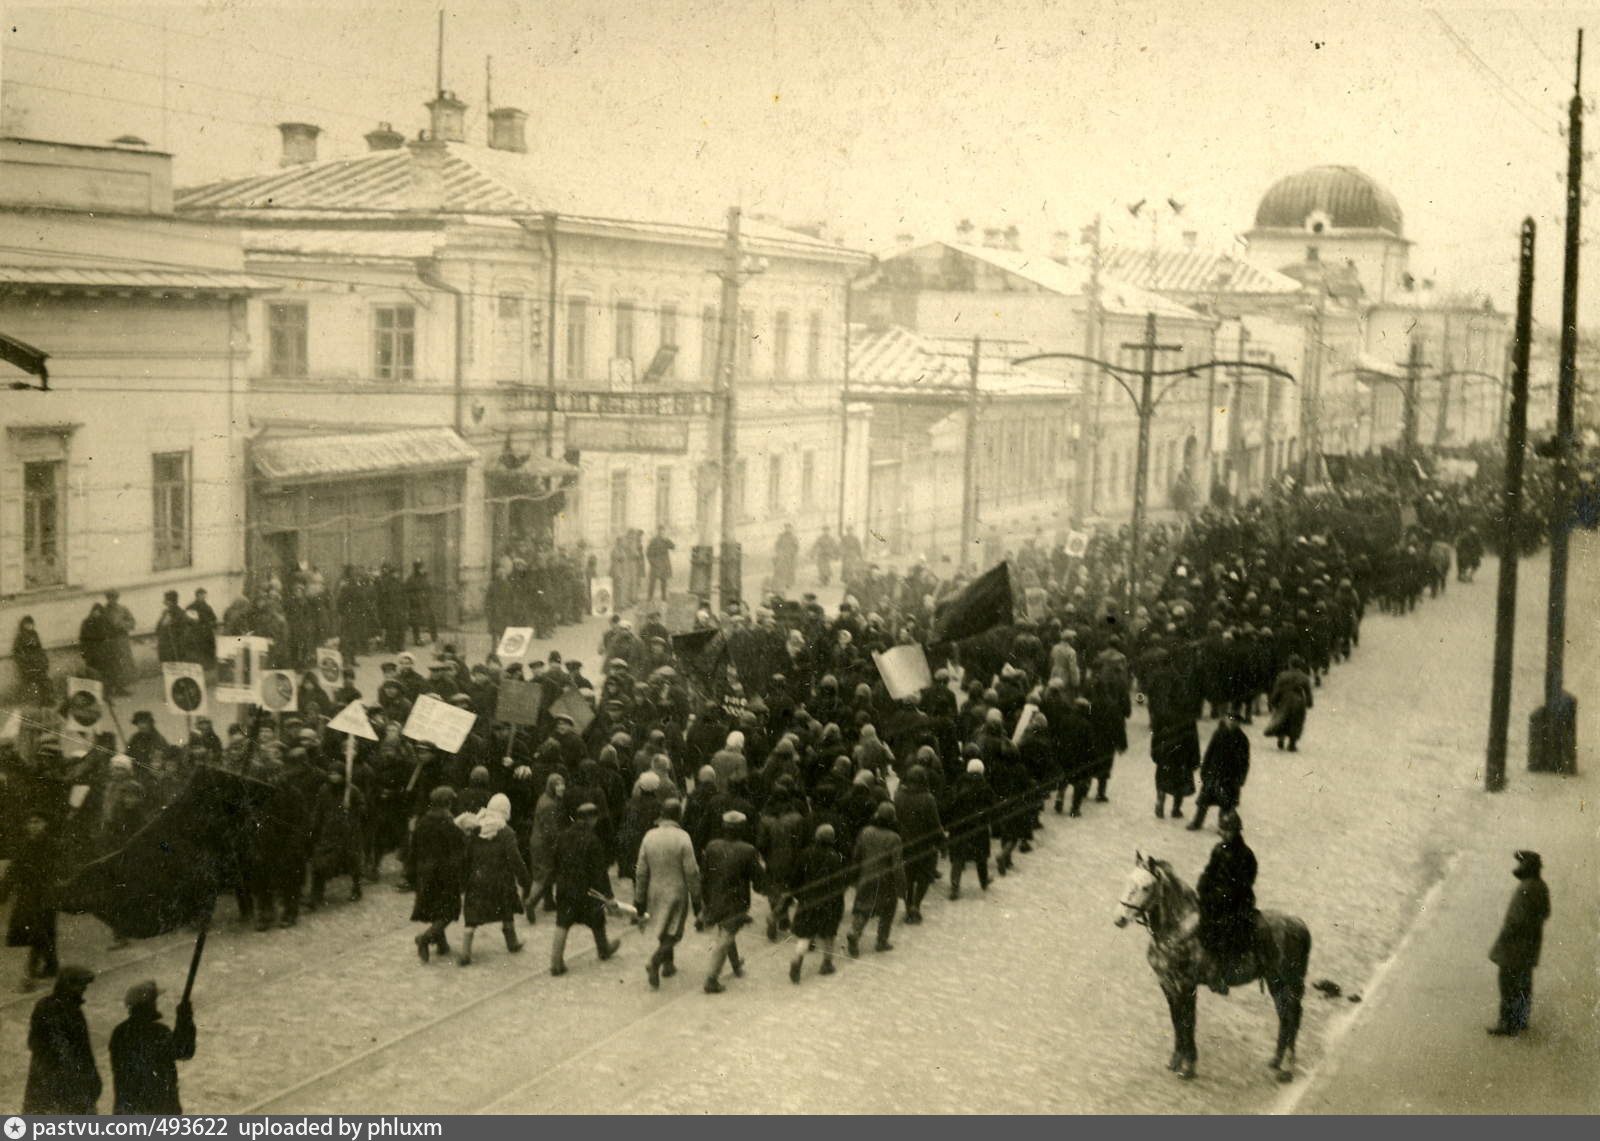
(808, 478)
(774, 485)
(286, 339)
(395, 342)
(510, 340)
(664, 497)
(623, 346)
(170, 485)
(747, 341)
(577, 338)
(709, 329)
(814, 346)
(44, 502)
(780, 345)
(669, 337)
(619, 502)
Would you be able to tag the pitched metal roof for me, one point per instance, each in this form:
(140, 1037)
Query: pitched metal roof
(359, 453)
(1072, 280)
(102, 277)
(896, 361)
(1192, 271)
(320, 242)
(478, 181)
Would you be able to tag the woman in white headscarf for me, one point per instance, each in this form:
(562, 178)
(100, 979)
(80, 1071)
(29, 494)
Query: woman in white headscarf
(497, 878)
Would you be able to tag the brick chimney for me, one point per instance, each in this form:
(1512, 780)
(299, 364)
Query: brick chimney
(449, 116)
(506, 130)
(427, 172)
(385, 138)
(993, 238)
(299, 143)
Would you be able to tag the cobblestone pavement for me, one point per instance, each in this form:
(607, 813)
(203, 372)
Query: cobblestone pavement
(1024, 999)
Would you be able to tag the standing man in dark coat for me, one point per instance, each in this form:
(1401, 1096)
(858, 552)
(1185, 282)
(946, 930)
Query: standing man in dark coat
(1516, 950)
(659, 557)
(145, 1054)
(62, 1077)
(203, 628)
(174, 641)
(578, 868)
(438, 865)
(1227, 898)
(419, 605)
(879, 866)
(1223, 770)
(392, 608)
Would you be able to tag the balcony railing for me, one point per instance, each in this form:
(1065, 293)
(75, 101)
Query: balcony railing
(581, 402)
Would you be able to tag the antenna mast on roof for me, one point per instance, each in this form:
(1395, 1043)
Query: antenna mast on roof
(438, 59)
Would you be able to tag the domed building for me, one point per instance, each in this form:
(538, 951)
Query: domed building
(1338, 218)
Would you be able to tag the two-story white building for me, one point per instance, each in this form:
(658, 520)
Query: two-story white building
(124, 474)
(468, 350)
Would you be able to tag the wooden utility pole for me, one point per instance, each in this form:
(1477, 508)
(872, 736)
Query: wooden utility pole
(1088, 403)
(1505, 618)
(1147, 412)
(1408, 412)
(1553, 729)
(969, 478)
(731, 576)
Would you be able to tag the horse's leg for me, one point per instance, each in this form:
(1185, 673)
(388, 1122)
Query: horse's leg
(1175, 1010)
(1296, 995)
(1280, 1002)
(1190, 1052)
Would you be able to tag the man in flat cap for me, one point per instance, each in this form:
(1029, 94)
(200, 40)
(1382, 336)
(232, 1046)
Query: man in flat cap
(145, 1054)
(733, 869)
(1516, 950)
(579, 868)
(62, 1076)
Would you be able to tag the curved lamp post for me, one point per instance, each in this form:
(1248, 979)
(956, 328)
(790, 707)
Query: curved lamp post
(1145, 405)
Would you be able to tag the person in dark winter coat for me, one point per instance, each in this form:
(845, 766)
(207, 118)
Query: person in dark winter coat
(819, 900)
(145, 1054)
(29, 880)
(337, 835)
(32, 664)
(579, 867)
(1223, 771)
(1289, 702)
(880, 872)
(1516, 948)
(917, 811)
(733, 869)
(1227, 900)
(496, 878)
(419, 605)
(62, 1075)
(784, 829)
(438, 864)
(1080, 760)
(970, 808)
(1109, 716)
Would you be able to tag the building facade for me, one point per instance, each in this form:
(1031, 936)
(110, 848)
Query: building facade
(124, 474)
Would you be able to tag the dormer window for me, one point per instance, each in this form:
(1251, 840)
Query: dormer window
(1318, 222)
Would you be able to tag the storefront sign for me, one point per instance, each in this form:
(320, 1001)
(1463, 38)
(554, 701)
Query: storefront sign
(626, 434)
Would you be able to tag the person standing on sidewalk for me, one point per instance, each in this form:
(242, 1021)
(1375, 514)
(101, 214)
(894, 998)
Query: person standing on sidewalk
(62, 1076)
(1516, 950)
(658, 556)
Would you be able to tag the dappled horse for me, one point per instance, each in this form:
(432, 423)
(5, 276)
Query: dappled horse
(1156, 898)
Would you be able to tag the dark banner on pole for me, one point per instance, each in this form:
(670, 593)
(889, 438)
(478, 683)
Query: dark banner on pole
(983, 605)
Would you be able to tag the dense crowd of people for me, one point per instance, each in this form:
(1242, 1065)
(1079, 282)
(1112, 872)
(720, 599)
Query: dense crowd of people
(763, 755)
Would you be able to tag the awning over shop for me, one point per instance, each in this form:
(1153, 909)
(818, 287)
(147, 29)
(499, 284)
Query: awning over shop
(1368, 363)
(359, 453)
(531, 476)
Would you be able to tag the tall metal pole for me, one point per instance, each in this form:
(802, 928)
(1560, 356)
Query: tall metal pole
(1142, 468)
(551, 300)
(731, 571)
(1553, 729)
(1083, 471)
(1408, 431)
(969, 478)
(1505, 617)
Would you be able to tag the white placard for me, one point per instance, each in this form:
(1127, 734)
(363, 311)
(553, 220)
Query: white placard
(439, 724)
(330, 666)
(13, 727)
(239, 660)
(352, 719)
(904, 670)
(185, 686)
(1024, 719)
(278, 693)
(1077, 544)
(514, 643)
(602, 596)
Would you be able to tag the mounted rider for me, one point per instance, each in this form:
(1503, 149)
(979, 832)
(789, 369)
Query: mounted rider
(1227, 905)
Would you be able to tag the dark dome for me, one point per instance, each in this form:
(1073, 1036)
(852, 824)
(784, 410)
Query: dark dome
(1340, 197)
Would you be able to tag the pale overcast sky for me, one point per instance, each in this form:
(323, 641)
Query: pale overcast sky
(879, 116)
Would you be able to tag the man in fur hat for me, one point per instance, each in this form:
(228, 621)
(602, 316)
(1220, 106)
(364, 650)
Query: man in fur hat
(1516, 949)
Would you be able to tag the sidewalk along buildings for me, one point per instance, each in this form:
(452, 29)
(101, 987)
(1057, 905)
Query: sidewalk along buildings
(124, 474)
(471, 349)
(921, 391)
(1022, 304)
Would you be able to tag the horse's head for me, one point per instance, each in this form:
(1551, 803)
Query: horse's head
(1139, 893)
